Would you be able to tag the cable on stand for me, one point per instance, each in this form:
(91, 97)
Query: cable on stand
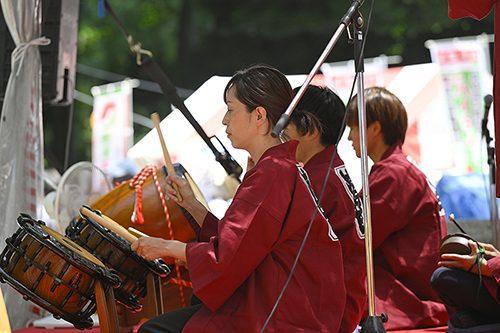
(372, 323)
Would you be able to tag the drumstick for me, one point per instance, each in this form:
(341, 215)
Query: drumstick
(109, 223)
(170, 168)
(452, 219)
(136, 232)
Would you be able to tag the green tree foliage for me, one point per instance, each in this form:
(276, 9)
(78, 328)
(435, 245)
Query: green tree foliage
(195, 39)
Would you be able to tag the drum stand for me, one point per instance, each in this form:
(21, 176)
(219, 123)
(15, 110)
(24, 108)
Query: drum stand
(155, 299)
(106, 308)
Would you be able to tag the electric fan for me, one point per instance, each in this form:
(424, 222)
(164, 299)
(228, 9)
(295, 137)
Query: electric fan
(82, 184)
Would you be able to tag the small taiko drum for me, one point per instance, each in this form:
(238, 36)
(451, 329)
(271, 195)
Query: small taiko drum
(54, 272)
(110, 243)
(457, 243)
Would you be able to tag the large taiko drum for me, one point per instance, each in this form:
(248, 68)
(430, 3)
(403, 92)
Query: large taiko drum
(119, 205)
(110, 243)
(54, 272)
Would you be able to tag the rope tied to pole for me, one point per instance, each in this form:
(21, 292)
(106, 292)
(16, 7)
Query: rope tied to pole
(20, 51)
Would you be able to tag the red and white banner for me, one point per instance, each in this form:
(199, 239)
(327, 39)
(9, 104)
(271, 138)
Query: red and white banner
(112, 130)
(465, 71)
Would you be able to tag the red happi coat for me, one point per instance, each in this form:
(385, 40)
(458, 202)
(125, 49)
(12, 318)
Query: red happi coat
(408, 224)
(242, 262)
(343, 208)
(493, 282)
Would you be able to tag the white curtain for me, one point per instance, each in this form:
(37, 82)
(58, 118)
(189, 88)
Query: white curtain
(21, 137)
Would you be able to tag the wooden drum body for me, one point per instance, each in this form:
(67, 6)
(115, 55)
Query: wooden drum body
(53, 272)
(113, 249)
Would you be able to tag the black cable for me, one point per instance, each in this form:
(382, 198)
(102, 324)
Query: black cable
(324, 183)
(120, 24)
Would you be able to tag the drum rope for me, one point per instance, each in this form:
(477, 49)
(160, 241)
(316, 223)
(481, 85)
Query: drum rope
(137, 217)
(477, 263)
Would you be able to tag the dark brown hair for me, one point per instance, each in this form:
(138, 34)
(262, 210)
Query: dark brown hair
(319, 109)
(262, 85)
(384, 107)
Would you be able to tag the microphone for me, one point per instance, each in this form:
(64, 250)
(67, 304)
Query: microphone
(488, 99)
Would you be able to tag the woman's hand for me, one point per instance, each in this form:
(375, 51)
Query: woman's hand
(187, 194)
(189, 200)
(466, 261)
(151, 248)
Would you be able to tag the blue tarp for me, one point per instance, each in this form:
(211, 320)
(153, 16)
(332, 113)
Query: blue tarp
(466, 196)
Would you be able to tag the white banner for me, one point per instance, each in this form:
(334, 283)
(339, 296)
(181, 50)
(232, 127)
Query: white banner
(465, 70)
(112, 130)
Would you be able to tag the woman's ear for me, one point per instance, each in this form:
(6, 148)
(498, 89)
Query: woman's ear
(261, 114)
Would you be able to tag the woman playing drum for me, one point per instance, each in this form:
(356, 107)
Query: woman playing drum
(241, 264)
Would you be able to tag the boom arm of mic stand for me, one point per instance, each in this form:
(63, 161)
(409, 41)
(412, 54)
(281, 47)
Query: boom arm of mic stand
(167, 87)
(282, 122)
(224, 158)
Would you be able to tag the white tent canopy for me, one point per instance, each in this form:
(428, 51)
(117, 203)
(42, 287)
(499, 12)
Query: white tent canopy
(429, 138)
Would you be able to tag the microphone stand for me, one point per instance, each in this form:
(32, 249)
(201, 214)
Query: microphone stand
(372, 323)
(346, 20)
(493, 198)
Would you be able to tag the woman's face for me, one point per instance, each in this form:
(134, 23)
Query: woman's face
(237, 121)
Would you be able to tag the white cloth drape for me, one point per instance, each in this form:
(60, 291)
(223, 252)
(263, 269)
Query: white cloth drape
(21, 137)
